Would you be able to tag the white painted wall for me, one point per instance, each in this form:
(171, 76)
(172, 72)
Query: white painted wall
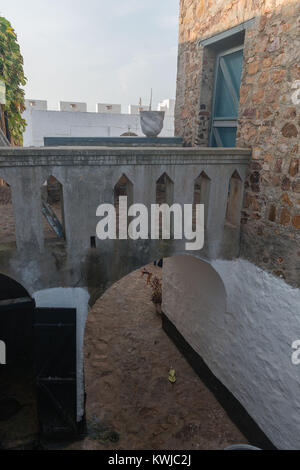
(135, 108)
(168, 106)
(242, 321)
(39, 105)
(108, 108)
(72, 106)
(70, 298)
(42, 124)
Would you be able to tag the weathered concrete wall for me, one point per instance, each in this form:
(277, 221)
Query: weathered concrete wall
(3, 140)
(229, 313)
(268, 116)
(88, 177)
(68, 273)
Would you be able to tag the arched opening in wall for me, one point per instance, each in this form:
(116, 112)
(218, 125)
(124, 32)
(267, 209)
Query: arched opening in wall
(7, 226)
(18, 403)
(234, 200)
(164, 195)
(53, 210)
(201, 195)
(124, 187)
(141, 392)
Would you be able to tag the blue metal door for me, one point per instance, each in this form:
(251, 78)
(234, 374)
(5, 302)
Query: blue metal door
(226, 98)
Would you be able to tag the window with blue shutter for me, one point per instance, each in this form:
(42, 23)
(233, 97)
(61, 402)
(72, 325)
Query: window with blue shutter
(226, 97)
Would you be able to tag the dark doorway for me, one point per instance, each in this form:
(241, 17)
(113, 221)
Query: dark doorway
(18, 406)
(38, 394)
(55, 340)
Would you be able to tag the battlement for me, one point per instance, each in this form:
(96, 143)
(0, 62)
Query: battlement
(167, 105)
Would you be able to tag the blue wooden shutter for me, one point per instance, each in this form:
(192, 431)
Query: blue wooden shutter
(226, 98)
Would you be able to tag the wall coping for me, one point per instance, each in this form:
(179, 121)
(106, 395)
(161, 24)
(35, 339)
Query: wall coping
(121, 141)
(106, 156)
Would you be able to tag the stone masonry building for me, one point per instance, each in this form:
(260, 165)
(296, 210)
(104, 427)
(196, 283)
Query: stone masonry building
(267, 118)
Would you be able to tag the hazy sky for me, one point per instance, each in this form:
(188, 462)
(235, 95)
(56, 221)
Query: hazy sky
(97, 50)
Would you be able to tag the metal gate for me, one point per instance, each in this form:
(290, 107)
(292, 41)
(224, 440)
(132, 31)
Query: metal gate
(55, 340)
(226, 97)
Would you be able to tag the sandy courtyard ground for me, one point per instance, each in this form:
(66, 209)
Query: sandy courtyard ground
(130, 402)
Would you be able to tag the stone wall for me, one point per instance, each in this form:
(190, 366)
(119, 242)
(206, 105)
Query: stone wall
(269, 116)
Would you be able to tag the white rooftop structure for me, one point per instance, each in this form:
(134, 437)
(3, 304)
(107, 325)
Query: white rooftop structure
(108, 108)
(74, 107)
(168, 106)
(136, 108)
(39, 105)
(76, 121)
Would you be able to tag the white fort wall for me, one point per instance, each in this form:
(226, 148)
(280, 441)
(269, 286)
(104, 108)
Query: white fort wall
(73, 121)
(242, 321)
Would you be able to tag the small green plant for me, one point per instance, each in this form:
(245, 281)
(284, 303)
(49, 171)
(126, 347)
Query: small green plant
(156, 286)
(12, 74)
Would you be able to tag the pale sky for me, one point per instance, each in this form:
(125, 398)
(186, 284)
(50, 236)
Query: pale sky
(97, 50)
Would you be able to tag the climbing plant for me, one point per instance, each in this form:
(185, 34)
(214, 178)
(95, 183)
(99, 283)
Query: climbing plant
(12, 74)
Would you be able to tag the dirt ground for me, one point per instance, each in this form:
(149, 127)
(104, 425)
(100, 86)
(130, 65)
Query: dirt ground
(130, 402)
(18, 412)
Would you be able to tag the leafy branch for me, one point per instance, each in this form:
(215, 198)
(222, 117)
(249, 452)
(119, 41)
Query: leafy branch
(12, 74)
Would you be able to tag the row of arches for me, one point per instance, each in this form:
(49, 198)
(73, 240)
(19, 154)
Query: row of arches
(52, 204)
(201, 195)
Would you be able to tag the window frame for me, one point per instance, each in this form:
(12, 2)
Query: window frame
(220, 122)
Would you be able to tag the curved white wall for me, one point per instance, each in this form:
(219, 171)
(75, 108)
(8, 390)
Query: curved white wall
(245, 339)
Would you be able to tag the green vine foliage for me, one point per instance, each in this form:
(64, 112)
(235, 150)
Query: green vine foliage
(12, 73)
